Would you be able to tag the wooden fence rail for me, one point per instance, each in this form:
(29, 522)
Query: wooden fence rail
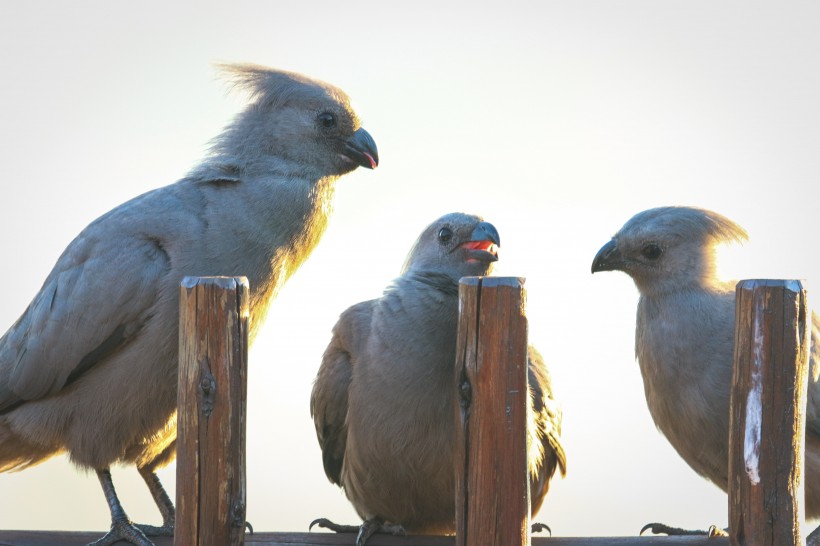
(772, 330)
(64, 538)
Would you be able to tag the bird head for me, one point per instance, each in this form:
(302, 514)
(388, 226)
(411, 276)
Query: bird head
(668, 248)
(457, 244)
(297, 119)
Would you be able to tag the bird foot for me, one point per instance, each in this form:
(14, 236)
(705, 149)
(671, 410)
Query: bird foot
(123, 530)
(375, 525)
(540, 528)
(368, 528)
(663, 529)
(154, 531)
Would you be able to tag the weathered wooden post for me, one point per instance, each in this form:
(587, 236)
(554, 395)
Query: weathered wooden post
(768, 409)
(213, 356)
(492, 485)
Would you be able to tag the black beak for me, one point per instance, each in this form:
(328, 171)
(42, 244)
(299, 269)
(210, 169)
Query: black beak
(361, 149)
(485, 231)
(608, 258)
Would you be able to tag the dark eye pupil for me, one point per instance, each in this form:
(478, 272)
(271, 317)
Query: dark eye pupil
(327, 119)
(444, 234)
(652, 251)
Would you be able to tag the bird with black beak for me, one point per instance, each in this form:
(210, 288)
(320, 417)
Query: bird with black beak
(383, 399)
(90, 368)
(684, 337)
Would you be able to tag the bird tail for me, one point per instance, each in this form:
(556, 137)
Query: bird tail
(18, 454)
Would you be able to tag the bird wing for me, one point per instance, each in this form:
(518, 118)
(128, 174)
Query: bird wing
(328, 401)
(546, 451)
(95, 300)
(546, 413)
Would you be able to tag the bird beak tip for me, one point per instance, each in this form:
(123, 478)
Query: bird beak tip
(607, 259)
(361, 150)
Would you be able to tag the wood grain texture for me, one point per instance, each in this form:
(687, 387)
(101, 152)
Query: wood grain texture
(212, 397)
(768, 408)
(492, 485)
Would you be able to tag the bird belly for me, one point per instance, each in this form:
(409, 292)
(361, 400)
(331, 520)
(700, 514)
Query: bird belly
(404, 475)
(119, 411)
(695, 427)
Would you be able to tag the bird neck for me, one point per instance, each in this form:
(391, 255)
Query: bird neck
(667, 326)
(438, 281)
(282, 219)
(299, 224)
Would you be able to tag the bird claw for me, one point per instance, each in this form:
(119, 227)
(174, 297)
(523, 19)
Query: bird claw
(540, 528)
(123, 530)
(335, 527)
(376, 525)
(368, 528)
(663, 529)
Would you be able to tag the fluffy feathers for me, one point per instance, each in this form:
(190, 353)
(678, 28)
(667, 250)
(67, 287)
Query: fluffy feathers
(90, 367)
(383, 401)
(684, 337)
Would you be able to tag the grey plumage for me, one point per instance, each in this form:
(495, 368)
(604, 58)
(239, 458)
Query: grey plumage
(90, 368)
(684, 336)
(383, 401)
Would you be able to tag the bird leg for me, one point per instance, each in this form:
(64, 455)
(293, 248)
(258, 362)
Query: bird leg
(166, 507)
(121, 527)
(661, 528)
(368, 528)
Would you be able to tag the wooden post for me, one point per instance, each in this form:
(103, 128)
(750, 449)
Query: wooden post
(492, 484)
(768, 409)
(213, 355)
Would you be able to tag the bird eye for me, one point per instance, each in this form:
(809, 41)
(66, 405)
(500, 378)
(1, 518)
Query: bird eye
(651, 251)
(327, 120)
(444, 234)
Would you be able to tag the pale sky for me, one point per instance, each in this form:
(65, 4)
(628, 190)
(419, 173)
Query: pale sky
(556, 121)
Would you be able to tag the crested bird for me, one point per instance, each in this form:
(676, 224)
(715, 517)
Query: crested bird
(383, 399)
(684, 336)
(90, 367)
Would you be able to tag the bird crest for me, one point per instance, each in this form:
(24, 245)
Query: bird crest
(687, 222)
(270, 88)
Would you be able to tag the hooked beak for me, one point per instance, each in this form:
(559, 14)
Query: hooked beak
(609, 258)
(361, 149)
(483, 244)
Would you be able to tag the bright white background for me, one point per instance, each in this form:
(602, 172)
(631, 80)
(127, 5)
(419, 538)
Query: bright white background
(555, 120)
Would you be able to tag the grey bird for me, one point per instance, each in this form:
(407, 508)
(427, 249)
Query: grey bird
(382, 401)
(684, 337)
(90, 368)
